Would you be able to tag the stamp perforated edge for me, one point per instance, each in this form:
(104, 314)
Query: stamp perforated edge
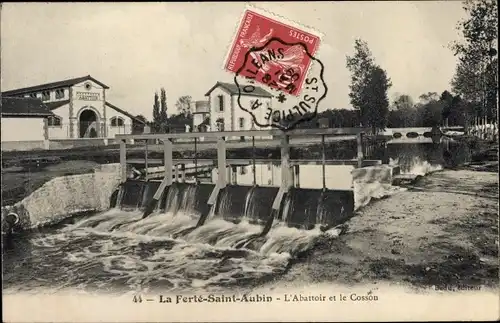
(274, 16)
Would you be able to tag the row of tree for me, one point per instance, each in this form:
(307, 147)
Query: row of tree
(474, 87)
(475, 83)
(476, 78)
(162, 122)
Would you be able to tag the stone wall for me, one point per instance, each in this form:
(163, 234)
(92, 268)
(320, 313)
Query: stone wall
(65, 196)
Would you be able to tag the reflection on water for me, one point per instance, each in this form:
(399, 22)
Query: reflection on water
(413, 158)
(118, 250)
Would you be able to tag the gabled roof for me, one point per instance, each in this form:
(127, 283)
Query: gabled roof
(233, 90)
(24, 107)
(54, 85)
(124, 112)
(56, 104)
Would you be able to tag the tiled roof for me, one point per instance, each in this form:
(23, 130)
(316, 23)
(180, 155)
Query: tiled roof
(56, 104)
(54, 85)
(24, 107)
(124, 112)
(233, 90)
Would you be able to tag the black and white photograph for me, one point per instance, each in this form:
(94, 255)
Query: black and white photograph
(249, 161)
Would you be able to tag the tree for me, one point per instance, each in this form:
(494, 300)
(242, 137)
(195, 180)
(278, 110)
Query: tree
(178, 122)
(375, 100)
(156, 112)
(475, 77)
(183, 105)
(369, 85)
(403, 112)
(137, 126)
(403, 102)
(448, 104)
(428, 97)
(163, 109)
(431, 114)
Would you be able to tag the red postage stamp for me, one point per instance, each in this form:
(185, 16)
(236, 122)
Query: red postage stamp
(254, 43)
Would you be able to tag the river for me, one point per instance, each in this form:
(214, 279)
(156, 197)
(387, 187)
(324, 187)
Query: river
(117, 251)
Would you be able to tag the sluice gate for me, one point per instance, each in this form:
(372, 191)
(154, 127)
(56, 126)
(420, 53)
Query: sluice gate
(265, 206)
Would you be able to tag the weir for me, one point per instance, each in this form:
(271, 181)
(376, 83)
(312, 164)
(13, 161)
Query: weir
(222, 198)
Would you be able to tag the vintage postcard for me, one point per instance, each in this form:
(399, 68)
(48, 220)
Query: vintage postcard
(250, 161)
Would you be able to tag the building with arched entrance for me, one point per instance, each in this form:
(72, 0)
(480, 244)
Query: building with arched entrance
(80, 109)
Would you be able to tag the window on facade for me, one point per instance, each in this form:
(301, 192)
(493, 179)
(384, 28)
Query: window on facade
(54, 121)
(220, 124)
(242, 123)
(59, 94)
(221, 103)
(117, 122)
(33, 95)
(45, 95)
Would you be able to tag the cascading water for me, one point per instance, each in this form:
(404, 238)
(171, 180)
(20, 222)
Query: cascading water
(310, 208)
(258, 204)
(120, 248)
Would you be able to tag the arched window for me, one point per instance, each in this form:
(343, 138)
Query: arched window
(117, 122)
(60, 94)
(54, 121)
(46, 96)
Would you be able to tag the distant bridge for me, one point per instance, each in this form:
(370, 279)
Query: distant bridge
(414, 132)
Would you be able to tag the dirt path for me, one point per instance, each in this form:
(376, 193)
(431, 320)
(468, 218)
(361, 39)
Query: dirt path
(443, 231)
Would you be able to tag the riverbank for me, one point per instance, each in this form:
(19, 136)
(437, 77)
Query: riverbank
(17, 182)
(441, 232)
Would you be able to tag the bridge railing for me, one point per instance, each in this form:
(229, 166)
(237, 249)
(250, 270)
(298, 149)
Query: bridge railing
(220, 139)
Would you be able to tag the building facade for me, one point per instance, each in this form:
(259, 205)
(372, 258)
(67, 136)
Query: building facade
(201, 116)
(79, 109)
(225, 112)
(24, 123)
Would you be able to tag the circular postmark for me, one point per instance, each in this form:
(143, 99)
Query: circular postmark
(292, 76)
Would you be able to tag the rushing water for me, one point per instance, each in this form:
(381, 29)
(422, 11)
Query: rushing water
(118, 249)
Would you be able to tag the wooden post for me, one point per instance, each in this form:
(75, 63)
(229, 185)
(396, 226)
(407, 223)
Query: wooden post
(234, 175)
(167, 161)
(253, 162)
(229, 174)
(221, 162)
(146, 164)
(123, 160)
(195, 160)
(323, 160)
(360, 149)
(286, 174)
(183, 173)
(297, 176)
(176, 172)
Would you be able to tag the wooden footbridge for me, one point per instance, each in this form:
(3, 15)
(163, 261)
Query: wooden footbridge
(168, 169)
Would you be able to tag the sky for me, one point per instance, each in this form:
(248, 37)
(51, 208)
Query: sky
(137, 48)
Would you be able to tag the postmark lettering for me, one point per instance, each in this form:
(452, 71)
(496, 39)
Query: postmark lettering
(278, 57)
(269, 66)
